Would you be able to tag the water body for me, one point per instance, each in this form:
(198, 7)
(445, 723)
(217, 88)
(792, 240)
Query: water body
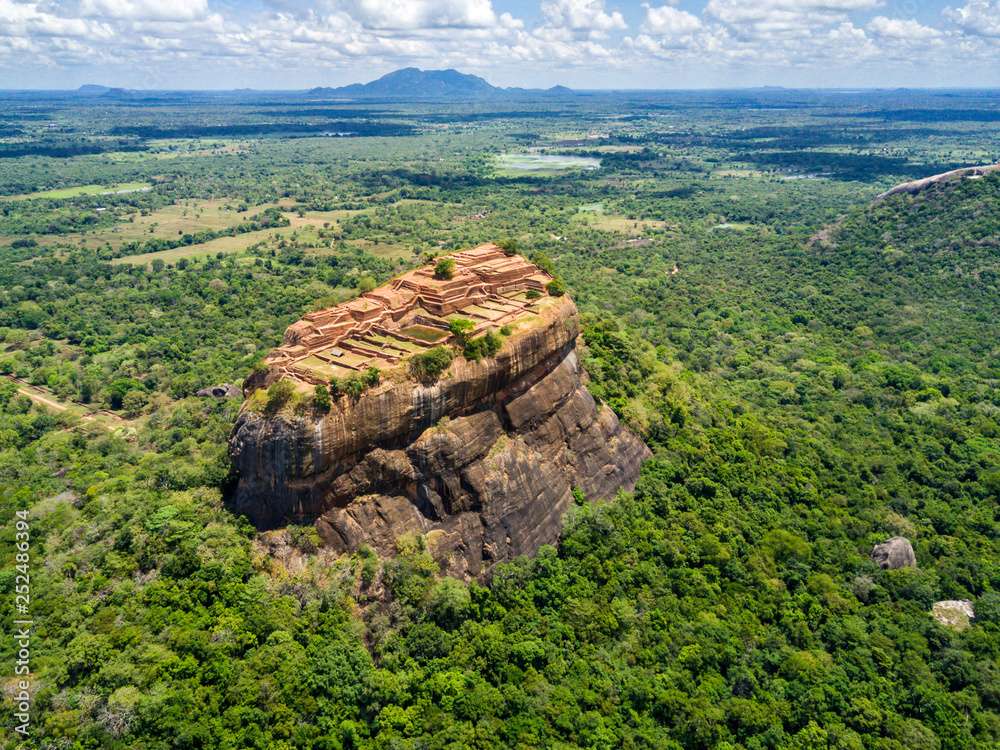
(530, 162)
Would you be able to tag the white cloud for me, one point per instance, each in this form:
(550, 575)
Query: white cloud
(148, 10)
(978, 17)
(416, 14)
(582, 15)
(30, 21)
(364, 36)
(784, 17)
(668, 21)
(902, 29)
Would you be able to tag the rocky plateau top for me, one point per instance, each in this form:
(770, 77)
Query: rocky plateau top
(482, 462)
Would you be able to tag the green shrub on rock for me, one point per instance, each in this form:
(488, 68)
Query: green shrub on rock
(428, 366)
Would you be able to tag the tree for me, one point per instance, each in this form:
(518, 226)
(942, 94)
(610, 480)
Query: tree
(133, 403)
(336, 387)
(30, 314)
(556, 287)
(279, 393)
(321, 398)
(445, 268)
(118, 389)
(544, 262)
(428, 366)
(509, 245)
(485, 346)
(461, 328)
(449, 602)
(354, 386)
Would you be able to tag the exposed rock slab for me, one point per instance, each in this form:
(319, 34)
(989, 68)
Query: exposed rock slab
(915, 186)
(953, 613)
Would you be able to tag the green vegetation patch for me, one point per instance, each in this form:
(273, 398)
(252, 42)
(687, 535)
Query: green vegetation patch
(78, 190)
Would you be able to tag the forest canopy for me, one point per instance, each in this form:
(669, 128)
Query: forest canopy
(813, 373)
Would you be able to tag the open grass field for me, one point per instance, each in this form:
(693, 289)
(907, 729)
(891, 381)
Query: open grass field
(593, 215)
(387, 250)
(179, 149)
(171, 221)
(321, 218)
(47, 400)
(78, 190)
(226, 245)
(304, 230)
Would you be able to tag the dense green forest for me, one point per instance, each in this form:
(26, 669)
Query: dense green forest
(813, 371)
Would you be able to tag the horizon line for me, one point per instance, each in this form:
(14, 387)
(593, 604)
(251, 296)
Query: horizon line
(995, 87)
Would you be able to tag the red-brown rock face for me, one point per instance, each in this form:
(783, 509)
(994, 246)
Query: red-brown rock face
(483, 462)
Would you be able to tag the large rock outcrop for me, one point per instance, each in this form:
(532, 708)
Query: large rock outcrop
(483, 462)
(894, 553)
(916, 186)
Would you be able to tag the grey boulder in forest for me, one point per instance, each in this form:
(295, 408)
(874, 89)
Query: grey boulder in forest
(225, 390)
(894, 553)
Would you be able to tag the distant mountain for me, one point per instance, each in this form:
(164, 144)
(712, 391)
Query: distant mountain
(94, 89)
(414, 83)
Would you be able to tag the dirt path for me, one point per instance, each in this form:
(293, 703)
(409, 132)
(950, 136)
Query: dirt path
(44, 397)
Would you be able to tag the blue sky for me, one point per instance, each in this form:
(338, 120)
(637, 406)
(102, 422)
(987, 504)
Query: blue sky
(156, 44)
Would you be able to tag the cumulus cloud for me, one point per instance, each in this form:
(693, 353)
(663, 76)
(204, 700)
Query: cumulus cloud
(30, 21)
(481, 35)
(784, 17)
(978, 17)
(150, 10)
(582, 15)
(902, 29)
(416, 14)
(669, 21)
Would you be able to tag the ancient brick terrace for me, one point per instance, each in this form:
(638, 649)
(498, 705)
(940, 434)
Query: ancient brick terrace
(408, 315)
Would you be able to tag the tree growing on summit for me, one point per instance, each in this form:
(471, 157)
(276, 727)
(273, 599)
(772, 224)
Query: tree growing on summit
(461, 329)
(509, 245)
(544, 262)
(279, 393)
(445, 268)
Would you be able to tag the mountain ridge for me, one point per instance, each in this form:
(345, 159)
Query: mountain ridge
(414, 83)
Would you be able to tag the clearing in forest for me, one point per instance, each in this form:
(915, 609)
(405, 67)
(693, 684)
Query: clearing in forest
(78, 190)
(593, 215)
(48, 400)
(305, 228)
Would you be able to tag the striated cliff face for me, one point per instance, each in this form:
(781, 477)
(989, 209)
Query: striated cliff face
(482, 462)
